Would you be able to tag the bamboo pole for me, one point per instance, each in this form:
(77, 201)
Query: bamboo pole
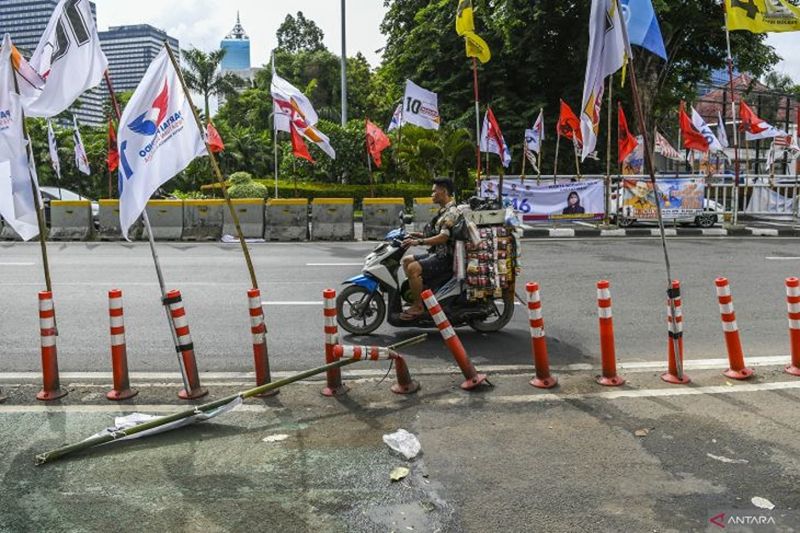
(607, 187)
(539, 156)
(733, 115)
(555, 161)
(477, 127)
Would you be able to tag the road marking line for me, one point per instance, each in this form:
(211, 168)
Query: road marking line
(762, 232)
(298, 302)
(771, 258)
(17, 264)
(334, 264)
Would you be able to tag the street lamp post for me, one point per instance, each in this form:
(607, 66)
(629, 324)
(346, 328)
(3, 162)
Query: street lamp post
(344, 65)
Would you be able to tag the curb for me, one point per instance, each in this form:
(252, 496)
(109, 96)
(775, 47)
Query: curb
(540, 233)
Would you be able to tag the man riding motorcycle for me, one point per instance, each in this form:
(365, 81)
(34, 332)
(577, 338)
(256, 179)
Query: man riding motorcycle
(437, 236)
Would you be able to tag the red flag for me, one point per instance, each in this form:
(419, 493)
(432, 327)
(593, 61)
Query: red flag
(213, 139)
(750, 121)
(299, 148)
(626, 141)
(568, 124)
(112, 159)
(377, 142)
(692, 139)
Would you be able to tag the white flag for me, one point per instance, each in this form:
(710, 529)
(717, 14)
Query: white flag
(288, 101)
(51, 143)
(421, 107)
(68, 57)
(535, 136)
(157, 138)
(713, 143)
(81, 161)
(607, 53)
(722, 135)
(397, 118)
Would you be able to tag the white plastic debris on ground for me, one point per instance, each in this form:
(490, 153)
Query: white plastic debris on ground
(762, 503)
(403, 442)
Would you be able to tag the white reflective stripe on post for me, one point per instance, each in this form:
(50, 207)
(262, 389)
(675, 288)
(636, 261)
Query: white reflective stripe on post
(604, 312)
(535, 314)
(184, 340)
(47, 322)
(726, 309)
(48, 341)
(118, 340)
(725, 290)
(46, 305)
(179, 321)
(258, 338)
(448, 333)
(603, 294)
(730, 326)
(439, 318)
(537, 333)
(115, 303)
(793, 308)
(329, 303)
(117, 321)
(794, 324)
(792, 291)
(331, 338)
(330, 321)
(255, 303)
(430, 301)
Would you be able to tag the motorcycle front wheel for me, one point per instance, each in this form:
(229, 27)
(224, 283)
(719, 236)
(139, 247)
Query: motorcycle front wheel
(358, 311)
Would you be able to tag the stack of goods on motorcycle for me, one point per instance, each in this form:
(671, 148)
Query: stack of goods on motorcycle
(491, 263)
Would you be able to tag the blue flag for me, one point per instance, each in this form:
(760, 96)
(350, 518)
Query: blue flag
(643, 29)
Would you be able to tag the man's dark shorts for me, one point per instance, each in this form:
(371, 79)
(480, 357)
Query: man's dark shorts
(434, 265)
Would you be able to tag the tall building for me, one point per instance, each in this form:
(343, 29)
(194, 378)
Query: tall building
(25, 21)
(237, 49)
(130, 50)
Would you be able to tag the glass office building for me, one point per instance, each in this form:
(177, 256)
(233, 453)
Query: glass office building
(237, 49)
(130, 50)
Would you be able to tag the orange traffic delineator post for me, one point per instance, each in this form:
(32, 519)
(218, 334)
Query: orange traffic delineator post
(51, 389)
(675, 325)
(185, 347)
(334, 386)
(473, 378)
(608, 355)
(404, 385)
(737, 368)
(119, 351)
(258, 328)
(793, 308)
(541, 363)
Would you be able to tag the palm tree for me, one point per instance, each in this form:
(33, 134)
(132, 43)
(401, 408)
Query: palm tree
(203, 77)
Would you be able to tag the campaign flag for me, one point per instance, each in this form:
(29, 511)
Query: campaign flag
(157, 138)
(68, 57)
(692, 138)
(713, 143)
(213, 139)
(397, 118)
(53, 149)
(626, 142)
(643, 28)
(762, 16)
(492, 138)
(754, 127)
(477, 47)
(17, 205)
(81, 161)
(664, 148)
(290, 102)
(465, 22)
(377, 142)
(607, 54)
(29, 81)
(421, 107)
(633, 163)
(299, 148)
(568, 124)
(722, 135)
(535, 136)
(112, 158)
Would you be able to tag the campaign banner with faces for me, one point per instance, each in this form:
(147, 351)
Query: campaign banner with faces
(579, 200)
(680, 198)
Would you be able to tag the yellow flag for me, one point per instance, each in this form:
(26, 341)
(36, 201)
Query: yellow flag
(464, 21)
(477, 47)
(762, 16)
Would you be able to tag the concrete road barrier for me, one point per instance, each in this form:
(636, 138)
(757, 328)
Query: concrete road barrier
(108, 218)
(166, 219)
(251, 218)
(381, 216)
(203, 220)
(71, 220)
(332, 219)
(424, 211)
(286, 219)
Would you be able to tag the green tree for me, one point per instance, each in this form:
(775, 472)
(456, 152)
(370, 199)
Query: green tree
(202, 75)
(299, 34)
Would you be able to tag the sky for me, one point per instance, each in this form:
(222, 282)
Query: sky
(203, 23)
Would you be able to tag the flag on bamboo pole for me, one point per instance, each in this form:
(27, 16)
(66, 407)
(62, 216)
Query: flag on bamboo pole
(607, 54)
(299, 148)
(17, 205)
(626, 142)
(477, 47)
(81, 160)
(52, 147)
(492, 138)
(762, 16)
(700, 125)
(68, 57)
(421, 107)
(213, 139)
(465, 27)
(643, 28)
(722, 135)
(465, 22)
(112, 157)
(755, 128)
(568, 124)
(664, 148)
(157, 138)
(293, 109)
(377, 142)
(397, 118)
(533, 141)
(692, 139)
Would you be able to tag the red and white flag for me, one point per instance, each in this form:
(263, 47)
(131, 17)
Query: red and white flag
(492, 138)
(693, 139)
(754, 127)
(627, 143)
(299, 148)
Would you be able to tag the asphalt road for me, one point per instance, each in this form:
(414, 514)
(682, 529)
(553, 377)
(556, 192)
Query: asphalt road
(214, 281)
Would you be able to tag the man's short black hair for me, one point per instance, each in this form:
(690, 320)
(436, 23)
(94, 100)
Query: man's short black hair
(447, 183)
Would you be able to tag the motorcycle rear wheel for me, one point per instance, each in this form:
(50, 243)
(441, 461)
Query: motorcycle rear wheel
(504, 311)
(353, 316)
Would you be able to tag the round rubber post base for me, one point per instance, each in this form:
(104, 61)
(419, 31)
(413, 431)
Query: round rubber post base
(330, 392)
(793, 370)
(544, 383)
(118, 395)
(405, 389)
(267, 394)
(615, 381)
(739, 374)
(199, 392)
(675, 380)
(47, 396)
(474, 382)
